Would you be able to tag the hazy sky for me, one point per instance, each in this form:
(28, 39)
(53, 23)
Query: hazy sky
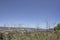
(30, 12)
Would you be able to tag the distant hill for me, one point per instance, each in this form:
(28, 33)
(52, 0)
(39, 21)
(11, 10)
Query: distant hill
(18, 28)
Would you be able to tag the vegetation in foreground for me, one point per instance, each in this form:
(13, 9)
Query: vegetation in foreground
(30, 35)
(34, 35)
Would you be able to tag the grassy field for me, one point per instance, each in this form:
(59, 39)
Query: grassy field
(29, 35)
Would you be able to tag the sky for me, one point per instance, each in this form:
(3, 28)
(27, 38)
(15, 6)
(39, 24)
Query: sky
(30, 12)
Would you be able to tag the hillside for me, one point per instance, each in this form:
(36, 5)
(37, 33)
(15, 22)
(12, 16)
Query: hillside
(18, 34)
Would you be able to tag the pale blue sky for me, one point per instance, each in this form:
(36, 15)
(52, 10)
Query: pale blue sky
(30, 12)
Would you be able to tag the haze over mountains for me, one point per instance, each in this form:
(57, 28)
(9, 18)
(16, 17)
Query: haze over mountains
(21, 28)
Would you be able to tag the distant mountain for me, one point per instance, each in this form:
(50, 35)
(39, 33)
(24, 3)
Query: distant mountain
(29, 29)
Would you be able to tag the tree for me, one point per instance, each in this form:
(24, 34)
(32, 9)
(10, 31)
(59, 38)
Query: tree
(57, 27)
